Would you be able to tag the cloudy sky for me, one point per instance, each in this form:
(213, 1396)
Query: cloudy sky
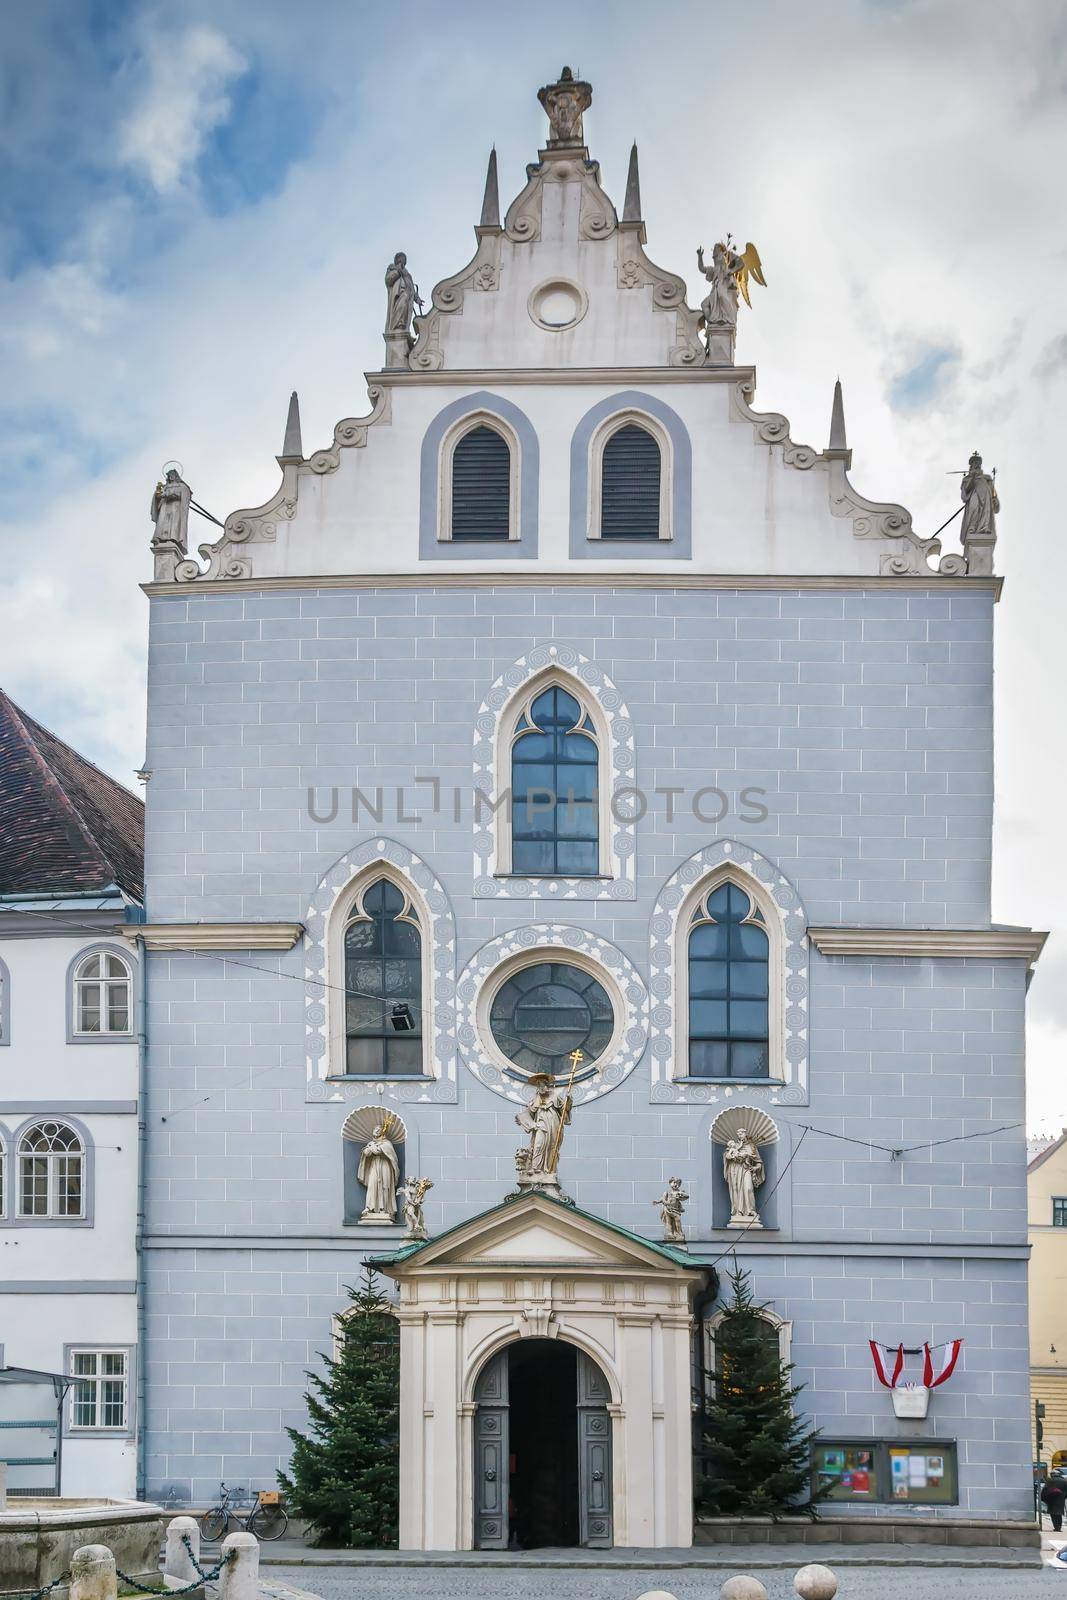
(200, 198)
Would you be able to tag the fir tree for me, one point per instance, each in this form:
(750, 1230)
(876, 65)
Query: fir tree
(756, 1454)
(344, 1476)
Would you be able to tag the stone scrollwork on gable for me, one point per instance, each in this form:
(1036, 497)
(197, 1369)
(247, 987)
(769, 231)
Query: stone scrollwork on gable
(633, 269)
(259, 524)
(522, 223)
(771, 427)
(481, 274)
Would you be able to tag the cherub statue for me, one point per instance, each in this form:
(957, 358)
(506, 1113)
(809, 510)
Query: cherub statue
(414, 1193)
(729, 276)
(672, 1204)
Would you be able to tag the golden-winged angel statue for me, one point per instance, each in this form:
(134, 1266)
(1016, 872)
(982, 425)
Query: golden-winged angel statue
(729, 275)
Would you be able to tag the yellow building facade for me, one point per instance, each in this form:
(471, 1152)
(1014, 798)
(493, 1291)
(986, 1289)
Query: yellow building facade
(1047, 1229)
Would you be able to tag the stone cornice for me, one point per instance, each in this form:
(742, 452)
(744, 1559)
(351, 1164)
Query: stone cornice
(213, 935)
(989, 944)
(579, 579)
(496, 377)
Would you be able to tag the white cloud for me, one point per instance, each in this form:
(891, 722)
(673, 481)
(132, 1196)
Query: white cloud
(183, 99)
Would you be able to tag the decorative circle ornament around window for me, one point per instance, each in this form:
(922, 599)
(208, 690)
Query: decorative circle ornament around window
(557, 304)
(547, 1010)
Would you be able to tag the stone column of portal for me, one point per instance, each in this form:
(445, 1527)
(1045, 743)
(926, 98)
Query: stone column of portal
(677, 1465)
(92, 1574)
(177, 1562)
(413, 1424)
(443, 1492)
(642, 1463)
(239, 1578)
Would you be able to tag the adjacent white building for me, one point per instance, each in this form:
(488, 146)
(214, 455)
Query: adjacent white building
(70, 870)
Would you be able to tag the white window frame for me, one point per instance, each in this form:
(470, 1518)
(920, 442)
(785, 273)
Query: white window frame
(342, 914)
(772, 924)
(52, 1158)
(104, 984)
(96, 1379)
(451, 438)
(610, 426)
(508, 731)
(780, 1324)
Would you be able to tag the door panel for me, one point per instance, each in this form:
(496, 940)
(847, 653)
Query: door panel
(594, 1456)
(491, 1456)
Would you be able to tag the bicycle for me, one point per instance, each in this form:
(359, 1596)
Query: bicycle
(266, 1519)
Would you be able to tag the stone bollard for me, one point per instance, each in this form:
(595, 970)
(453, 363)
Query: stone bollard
(657, 1594)
(176, 1561)
(815, 1583)
(92, 1574)
(743, 1587)
(239, 1578)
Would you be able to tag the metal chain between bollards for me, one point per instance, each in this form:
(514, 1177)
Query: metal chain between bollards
(188, 1588)
(38, 1594)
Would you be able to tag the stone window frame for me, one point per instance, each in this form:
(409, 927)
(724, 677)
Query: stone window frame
(452, 437)
(630, 405)
(128, 1431)
(787, 986)
(494, 728)
(17, 1218)
(74, 1035)
(5, 1006)
(711, 1324)
(323, 948)
(450, 422)
(611, 425)
(529, 946)
(7, 1169)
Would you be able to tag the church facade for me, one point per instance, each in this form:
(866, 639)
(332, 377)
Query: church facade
(568, 865)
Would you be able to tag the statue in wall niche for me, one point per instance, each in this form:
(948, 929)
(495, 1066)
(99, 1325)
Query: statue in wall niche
(414, 1193)
(671, 1209)
(544, 1118)
(170, 512)
(403, 297)
(729, 276)
(379, 1173)
(743, 1169)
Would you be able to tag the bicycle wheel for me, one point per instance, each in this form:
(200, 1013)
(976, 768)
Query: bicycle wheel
(268, 1522)
(213, 1523)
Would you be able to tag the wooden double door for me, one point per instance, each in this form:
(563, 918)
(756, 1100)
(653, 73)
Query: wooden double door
(542, 1450)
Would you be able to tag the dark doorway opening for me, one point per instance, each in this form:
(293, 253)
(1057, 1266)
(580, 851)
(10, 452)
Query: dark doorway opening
(543, 1444)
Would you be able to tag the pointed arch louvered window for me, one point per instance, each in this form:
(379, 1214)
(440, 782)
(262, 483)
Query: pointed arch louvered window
(630, 485)
(481, 485)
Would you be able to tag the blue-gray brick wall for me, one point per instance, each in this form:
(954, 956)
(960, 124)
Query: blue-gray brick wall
(865, 716)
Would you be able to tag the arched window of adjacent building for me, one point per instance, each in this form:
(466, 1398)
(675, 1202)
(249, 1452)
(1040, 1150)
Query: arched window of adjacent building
(630, 484)
(774, 1331)
(481, 485)
(728, 963)
(51, 1172)
(103, 986)
(3, 1172)
(383, 960)
(555, 788)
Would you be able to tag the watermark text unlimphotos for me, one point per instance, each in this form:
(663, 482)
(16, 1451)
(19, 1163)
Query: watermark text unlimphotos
(426, 797)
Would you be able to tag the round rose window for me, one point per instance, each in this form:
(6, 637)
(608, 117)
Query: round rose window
(546, 1011)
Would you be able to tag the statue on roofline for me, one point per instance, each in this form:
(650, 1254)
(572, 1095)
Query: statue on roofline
(729, 276)
(403, 297)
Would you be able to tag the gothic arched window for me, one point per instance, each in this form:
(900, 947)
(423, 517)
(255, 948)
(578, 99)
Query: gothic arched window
(383, 984)
(630, 474)
(728, 954)
(555, 805)
(51, 1167)
(102, 988)
(481, 485)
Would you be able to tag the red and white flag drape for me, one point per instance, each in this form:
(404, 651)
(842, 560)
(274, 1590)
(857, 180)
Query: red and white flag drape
(880, 1354)
(936, 1368)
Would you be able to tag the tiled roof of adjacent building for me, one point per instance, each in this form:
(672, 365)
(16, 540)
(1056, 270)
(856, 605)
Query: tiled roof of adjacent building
(66, 826)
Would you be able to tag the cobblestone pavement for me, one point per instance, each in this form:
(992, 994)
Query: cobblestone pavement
(457, 1583)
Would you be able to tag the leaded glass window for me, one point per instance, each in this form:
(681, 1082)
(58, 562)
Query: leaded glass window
(383, 984)
(555, 826)
(99, 1395)
(545, 1011)
(51, 1172)
(102, 987)
(728, 957)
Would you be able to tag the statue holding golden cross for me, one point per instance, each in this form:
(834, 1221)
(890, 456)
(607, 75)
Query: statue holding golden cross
(544, 1118)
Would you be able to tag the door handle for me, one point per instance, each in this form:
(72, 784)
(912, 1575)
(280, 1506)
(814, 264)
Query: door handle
(598, 1476)
(490, 1475)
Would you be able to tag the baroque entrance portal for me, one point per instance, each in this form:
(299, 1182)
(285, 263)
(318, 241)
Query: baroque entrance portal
(542, 1449)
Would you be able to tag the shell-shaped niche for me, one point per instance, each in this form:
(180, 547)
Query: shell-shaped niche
(360, 1124)
(728, 1124)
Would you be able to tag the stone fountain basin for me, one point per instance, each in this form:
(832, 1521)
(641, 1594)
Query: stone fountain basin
(38, 1538)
